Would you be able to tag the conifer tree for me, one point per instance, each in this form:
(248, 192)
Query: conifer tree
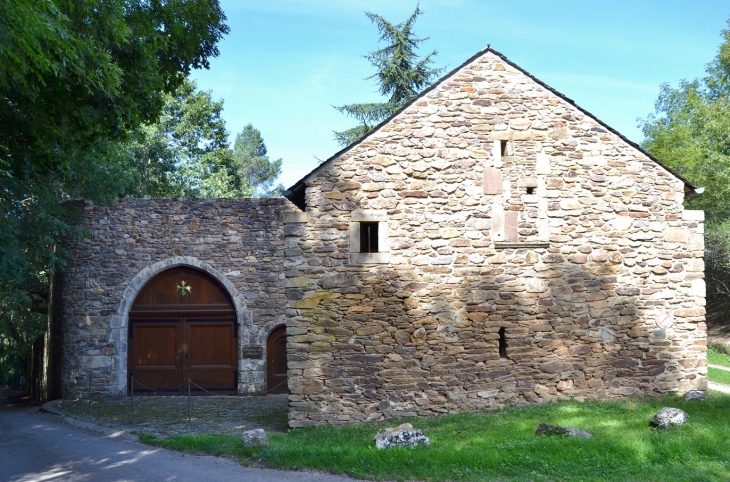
(401, 76)
(255, 172)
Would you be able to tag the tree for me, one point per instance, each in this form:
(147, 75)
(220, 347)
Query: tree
(401, 75)
(76, 76)
(690, 132)
(256, 174)
(185, 153)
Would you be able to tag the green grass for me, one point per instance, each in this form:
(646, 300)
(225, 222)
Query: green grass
(718, 375)
(501, 445)
(716, 357)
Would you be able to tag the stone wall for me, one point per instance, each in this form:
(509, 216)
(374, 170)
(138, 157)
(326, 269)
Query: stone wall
(240, 242)
(505, 207)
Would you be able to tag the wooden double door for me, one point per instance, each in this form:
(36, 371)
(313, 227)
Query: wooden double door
(166, 352)
(182, 326)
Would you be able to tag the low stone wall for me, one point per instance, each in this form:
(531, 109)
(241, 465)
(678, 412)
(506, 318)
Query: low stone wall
(240, 242)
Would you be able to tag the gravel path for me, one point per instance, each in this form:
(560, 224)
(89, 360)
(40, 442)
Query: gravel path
(165, 416)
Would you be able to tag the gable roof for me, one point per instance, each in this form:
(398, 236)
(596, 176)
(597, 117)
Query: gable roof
(296, 192)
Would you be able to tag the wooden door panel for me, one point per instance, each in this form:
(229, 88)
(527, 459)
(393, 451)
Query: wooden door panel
(155, 345)
(209, 344)
(211, 358)
(155, 359)
(182, 289)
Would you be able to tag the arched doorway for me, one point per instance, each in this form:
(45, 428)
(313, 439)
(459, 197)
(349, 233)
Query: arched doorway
(182, 325)
(276, 362)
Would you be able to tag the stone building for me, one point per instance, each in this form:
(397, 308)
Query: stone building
(124, 308)
(490, 244)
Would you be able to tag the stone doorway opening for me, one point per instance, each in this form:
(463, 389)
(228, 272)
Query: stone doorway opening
(276, 362)
(182, 331)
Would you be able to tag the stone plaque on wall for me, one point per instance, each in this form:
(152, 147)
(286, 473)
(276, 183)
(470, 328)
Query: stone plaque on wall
(252, 351)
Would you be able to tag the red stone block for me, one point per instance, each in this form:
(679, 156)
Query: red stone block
(492, 181)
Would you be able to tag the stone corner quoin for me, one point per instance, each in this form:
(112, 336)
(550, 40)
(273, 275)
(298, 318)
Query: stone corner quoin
(531, 251)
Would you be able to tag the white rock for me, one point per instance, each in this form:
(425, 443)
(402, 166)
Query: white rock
(402, 436)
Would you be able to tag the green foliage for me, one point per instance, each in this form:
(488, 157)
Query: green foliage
(76, 76)
(401, 75)
(254, 171)
(185, 153)
(690, 132)
(17, 333)
(717, 269)
(501, 445)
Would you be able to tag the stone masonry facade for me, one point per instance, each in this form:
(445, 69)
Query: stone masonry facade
(527, 253)
(240, 242)
(491, 244)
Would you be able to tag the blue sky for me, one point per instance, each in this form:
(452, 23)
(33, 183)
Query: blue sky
(287, 62)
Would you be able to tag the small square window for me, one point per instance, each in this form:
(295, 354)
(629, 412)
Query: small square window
(369, 237)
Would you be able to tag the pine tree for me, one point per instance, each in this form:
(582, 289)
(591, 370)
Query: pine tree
(255, 172)
(401, 76)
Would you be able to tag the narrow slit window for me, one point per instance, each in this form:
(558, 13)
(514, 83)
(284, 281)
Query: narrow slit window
(530, 190)
(369, 237)
(502, 343)
(503, 148)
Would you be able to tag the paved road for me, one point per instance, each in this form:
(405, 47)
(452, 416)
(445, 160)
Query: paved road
(35, 446)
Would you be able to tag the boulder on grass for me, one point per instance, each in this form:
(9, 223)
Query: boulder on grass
(695, 395)
(669, 416)
(254, 438)
(401, 436)
(545, 429)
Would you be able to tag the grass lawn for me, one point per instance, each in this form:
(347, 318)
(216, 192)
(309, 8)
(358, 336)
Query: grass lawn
(501, 445)
(718, 376)
(717, 358)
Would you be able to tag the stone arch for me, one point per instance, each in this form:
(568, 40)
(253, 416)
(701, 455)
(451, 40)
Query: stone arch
(266, 330)
(262, 340)
(119, 321)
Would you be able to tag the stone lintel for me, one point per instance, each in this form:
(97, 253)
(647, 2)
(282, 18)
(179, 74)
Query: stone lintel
(369, 215)
(693, 215)
(295, 217)
(527, 244)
